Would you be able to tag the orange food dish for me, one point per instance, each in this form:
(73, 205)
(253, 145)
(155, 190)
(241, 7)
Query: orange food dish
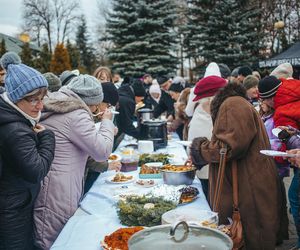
(119, 177)
(118, 240)
(175, 168)
(113, 157)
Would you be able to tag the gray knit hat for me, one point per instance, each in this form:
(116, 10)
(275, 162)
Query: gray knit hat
(250, 82)
(88, 88)
(54, 83)
(66, 77)
(284, 70)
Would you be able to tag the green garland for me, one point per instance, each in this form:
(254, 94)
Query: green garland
(131, 212)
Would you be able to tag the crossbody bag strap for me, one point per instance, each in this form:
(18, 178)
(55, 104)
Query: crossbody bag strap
(235, 187)
(220, 177)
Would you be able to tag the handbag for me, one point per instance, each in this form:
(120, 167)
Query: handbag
(235, 229)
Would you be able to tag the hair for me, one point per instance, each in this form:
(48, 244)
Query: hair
(106, 70)
(183, 100)
(36, 92)
(262, 113)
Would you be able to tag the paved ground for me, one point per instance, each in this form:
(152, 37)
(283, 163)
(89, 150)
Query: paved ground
(291, 243)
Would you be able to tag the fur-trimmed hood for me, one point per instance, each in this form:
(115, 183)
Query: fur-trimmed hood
(61, 102)
(229, 90)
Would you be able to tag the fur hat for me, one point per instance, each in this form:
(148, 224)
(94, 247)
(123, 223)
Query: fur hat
(66, 77)
(88, 88)
(284, 70)
(110, 92)
(245, 71)
(212, 69)
(138, 88)
(250, 82)
(53, 82)
(225, 70)
(268, 87)
(162, 79)
(208, 86)
(20, 79)
(176, 87)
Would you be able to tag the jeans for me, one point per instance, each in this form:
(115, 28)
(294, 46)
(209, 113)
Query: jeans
(293, 195)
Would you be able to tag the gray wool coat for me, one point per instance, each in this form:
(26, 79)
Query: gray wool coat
(76, 139)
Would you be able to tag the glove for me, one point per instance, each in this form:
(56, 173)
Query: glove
(195, 152)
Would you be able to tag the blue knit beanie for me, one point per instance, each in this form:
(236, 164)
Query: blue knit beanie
(20, 79)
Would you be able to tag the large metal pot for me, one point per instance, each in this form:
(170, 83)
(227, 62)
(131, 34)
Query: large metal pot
(144, 114)
(191, 237)
(179, 177)
(155, 131)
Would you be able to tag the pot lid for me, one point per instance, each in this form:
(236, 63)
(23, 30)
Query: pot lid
(177, 238)
(154, 122)
(145, 110)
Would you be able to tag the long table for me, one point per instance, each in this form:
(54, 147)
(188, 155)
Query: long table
(97, 215)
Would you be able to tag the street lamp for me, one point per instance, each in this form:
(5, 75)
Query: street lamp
(279, 25)
(24, 37)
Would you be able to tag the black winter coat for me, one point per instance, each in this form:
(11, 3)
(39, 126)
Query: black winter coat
(26, 159)
(166, 103)
(126, 108)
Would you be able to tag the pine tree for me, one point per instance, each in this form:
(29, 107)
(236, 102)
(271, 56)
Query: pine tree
(26, 55)
(74, 55)
(60, 60)
(87, 57)
(194, 31)
(2, 48)
(42, 62)
(142, 33)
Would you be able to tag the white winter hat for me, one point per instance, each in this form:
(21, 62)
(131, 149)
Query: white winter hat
(154, 88)
(284, 70)
(212, 69)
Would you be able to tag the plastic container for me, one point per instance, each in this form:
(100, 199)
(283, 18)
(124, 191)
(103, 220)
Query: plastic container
(130, 160)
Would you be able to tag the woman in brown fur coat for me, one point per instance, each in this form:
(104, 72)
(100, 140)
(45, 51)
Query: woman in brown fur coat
(237, 124)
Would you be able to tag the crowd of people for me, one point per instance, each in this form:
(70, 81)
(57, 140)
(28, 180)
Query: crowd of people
(52, 152)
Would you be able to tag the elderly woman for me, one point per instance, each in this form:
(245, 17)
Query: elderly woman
(27, 150)
(237, 124)
(69, 113)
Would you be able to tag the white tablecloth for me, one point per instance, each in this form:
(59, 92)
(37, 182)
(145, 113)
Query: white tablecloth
(86, 230)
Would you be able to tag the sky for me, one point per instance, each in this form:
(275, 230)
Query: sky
(11, 15)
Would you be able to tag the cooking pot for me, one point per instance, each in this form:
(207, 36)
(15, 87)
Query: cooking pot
(189, 237)
(144, 114)
(156, 131)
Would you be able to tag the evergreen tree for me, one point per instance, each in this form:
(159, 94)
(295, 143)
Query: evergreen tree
(26, 55)
(42, 62)
(141, 32)
(195, 29)
(87, 57)
(2, 48)
(60, 60)
(74, 55)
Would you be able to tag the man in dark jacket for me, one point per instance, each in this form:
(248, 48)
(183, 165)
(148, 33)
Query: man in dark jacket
(27, 151)
(166, 103)
(129, 96)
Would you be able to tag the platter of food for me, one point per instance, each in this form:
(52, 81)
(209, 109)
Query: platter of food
(114, 157)
(120, 178)
(177, 168)
(146, 158)
(119, 238)
(145, 183)
(151, 170)
(188, 195)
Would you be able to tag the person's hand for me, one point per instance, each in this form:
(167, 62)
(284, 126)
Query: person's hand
(170, 118)
(289, 129)
(38, 128)
(295, 161)
(116, 130)
(114, 165)
(107, 114)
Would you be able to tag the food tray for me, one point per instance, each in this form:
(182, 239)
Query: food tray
(150, 176)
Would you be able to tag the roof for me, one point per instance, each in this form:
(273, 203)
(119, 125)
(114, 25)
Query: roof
(291, 55)
(15, 45)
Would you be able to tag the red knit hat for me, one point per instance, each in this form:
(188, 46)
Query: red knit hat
(208, 86)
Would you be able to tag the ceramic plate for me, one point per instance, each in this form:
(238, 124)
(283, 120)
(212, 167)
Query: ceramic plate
(110, 180)
(276, 153)
(145, 183)
(185, 143)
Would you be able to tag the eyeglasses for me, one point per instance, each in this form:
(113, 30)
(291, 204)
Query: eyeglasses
(34, 101)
